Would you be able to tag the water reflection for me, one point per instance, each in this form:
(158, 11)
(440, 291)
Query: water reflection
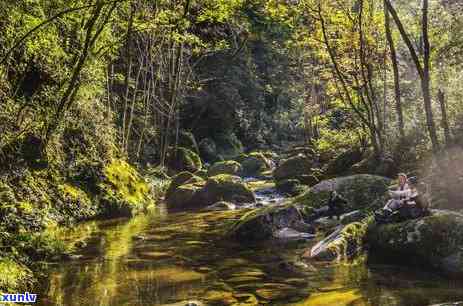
(161, 259)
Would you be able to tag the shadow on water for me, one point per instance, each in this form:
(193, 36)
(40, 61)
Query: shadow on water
(161, 258)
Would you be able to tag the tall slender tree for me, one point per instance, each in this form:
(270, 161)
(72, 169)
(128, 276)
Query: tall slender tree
(423, 70)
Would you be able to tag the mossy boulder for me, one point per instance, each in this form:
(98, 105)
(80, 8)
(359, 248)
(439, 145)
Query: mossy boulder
(187, 140)
(185, 196)
(255, 163)
(296, 167)
(195, 192)
(228, 188)
(362, 191)
(298, 150)
(182, 178)
(290, 187)
(226, 167)
(264, 223)
(123, 191)
(436, 240)
(184, 159)
(182, 190)
(208, 150)
(344, 243)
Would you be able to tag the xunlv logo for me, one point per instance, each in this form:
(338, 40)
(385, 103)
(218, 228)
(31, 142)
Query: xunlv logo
(18, 298)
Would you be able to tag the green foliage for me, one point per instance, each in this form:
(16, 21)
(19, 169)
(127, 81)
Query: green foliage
(124, 191)
(14, 276)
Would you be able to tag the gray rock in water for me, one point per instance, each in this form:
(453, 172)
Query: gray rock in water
(262, 224)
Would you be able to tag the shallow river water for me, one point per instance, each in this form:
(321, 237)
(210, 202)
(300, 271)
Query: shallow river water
(163, 258)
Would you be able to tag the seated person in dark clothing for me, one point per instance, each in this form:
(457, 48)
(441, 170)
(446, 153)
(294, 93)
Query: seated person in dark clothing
(411, 205)
(336, 205)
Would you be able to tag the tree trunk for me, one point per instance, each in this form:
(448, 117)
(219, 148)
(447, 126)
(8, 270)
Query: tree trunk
(395, 68)
(423, 71)
(445, 122)
(427, 80)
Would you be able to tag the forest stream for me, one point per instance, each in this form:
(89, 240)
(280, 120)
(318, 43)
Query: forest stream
(165, 258)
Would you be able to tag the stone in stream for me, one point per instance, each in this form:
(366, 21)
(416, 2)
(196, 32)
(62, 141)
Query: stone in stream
(346, 242)
(226, 188)
(180, 179)
(265, 223)
(255, 163)
(296, 167)
(199, 193)
(225, 167)
(436, 241)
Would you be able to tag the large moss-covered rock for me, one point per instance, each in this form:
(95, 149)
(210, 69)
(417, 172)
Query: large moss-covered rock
(296, 167)
(184, 159)
(436, 240)
(255, 163)
(362, 191)
(195, 192)
(226, 167)
(228, 188)
(186, 196)
(344, 243)
(264, 223)
(184, 190)
(182, 178)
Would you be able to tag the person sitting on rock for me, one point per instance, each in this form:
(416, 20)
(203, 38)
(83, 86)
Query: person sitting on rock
(415, 205)
(336, 205)
(398, 196)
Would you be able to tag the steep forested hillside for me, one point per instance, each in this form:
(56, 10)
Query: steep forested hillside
(102, 102)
